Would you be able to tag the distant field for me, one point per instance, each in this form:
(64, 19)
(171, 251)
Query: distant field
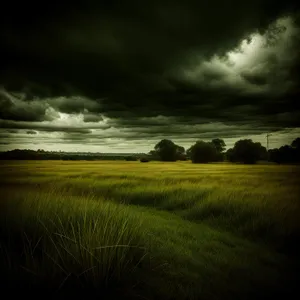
(150, 230)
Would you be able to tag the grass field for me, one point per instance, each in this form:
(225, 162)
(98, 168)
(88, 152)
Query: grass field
(150, 231)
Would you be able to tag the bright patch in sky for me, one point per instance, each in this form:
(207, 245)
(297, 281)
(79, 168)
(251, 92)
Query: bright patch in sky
(258, 56)
(247, 52)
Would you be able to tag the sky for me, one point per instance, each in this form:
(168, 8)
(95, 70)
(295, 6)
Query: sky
(118, 77)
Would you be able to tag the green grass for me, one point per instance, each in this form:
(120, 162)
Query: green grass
(150, 231)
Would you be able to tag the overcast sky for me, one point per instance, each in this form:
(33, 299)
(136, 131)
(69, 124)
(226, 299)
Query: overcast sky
(120, 77)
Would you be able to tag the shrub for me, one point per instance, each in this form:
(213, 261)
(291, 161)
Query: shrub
(144, 159)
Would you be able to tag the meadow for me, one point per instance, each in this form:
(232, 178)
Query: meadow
(152, 230)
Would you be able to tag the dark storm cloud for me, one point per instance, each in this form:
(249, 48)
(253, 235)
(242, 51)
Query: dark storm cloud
(31, 132)
(145, 122)
(90, 117)
(98, 48)
(75, 137)
(257, 79)
(152, 133)
(73, 104)
(12, 131)
(42, 127)
(194, 131)
(127, 61)
(18, 109)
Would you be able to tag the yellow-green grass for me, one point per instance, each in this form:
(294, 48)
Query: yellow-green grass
(155, 230)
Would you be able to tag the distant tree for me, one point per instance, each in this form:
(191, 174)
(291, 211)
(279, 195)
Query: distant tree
(153, 155)
(180, 153)
(296, 143)
(182, 157)
(230, 156)
(246, 151)
(296, 150)
(152, 152)
(274, 156)
(180, 149)
(286, 154)
(220, 145)
(189, 153)
(202, 152)
(166, 150)
(263, 153)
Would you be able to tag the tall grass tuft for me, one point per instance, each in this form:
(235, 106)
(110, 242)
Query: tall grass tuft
(60, 242)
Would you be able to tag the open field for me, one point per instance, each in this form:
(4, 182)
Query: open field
(150, 230)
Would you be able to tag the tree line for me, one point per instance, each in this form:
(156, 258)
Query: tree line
(27, 154)
(244, 151)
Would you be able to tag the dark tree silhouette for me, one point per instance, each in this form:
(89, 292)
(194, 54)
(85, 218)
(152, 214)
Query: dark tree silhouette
(230, 155)
(296, 143)
(180, 153)
(168, 151)
(287, 154)
(246, 151)
(154, 155)
(296, 150)
(220, 145)
(202, 152)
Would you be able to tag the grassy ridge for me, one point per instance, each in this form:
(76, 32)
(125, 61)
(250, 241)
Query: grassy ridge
(161, 230)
